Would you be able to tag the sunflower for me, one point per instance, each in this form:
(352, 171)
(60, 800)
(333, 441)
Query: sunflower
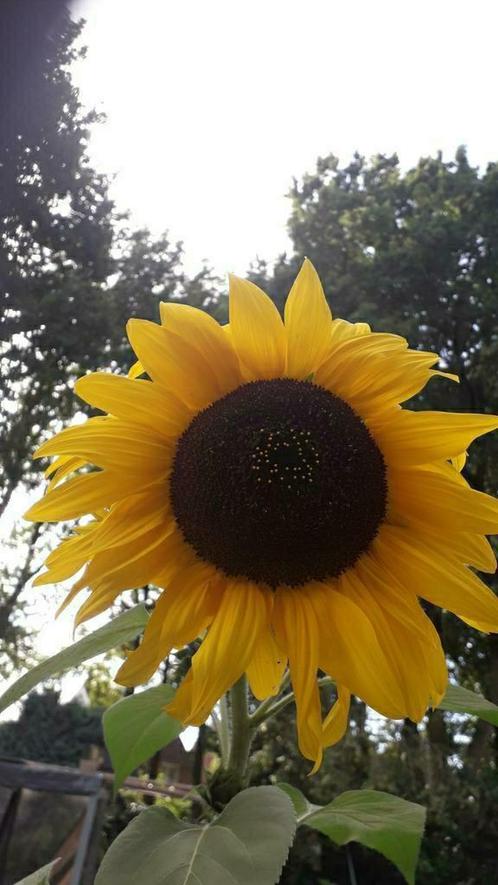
(265, 475)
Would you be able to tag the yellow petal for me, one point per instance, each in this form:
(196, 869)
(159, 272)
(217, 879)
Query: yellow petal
(82, 495)
(436, 499)
(420, 563)
(483, 626)
(61, 464)
(257, 331)
(469, 549)
(131, 518)
(459, 461)
(388, 382)
(351, 654)
(181, 613)
(68, 599)
(178, 555)
(402, 640)
(56, 464)
(174, 363)
(398, 603)
(201, 331)
(122, 568)
(136, 370)
(297, 632)
(140, 401)
(68, 465)
(342, 330)
(114, 559)
(266, 668)
(409, 438)
(353, 356)
(181, 711)
(242, 617)
(336, 721)
(65, 560)
(360, 347)
(113, 444)
(307, 323)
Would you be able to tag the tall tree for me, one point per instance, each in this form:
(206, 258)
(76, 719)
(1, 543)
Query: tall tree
(71, 269)
(416, 252)
(55, 238)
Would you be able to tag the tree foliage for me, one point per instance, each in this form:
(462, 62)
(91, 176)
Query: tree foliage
(72, 271)
(55, 239)
(49, 731)
(414, 252)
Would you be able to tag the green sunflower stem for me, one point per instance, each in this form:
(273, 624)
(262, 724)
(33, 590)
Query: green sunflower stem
(221, 723)
(270, 707)
(231, 776)
(241, 728)
(264, 709)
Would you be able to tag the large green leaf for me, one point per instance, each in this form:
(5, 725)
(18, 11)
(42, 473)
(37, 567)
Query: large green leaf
(389, 825)
(122, 629)
(136, 727)
(300, 802)
(40, 877)
(247, 845)
(461, 700)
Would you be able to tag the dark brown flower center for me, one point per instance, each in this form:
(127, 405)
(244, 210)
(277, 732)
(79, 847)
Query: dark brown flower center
(279, 482)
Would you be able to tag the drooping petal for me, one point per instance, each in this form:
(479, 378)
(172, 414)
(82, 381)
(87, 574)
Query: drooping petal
(351, 654)
(266, 667)
(336, 721)
(297, 632)
(307, 323)
(419, 684)
(257, 331)
(242, 617)
(398, 603)
(182, 613)
(435, 664)
(114, 559)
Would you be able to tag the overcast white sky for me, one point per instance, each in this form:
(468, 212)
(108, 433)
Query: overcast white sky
(214, 106)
